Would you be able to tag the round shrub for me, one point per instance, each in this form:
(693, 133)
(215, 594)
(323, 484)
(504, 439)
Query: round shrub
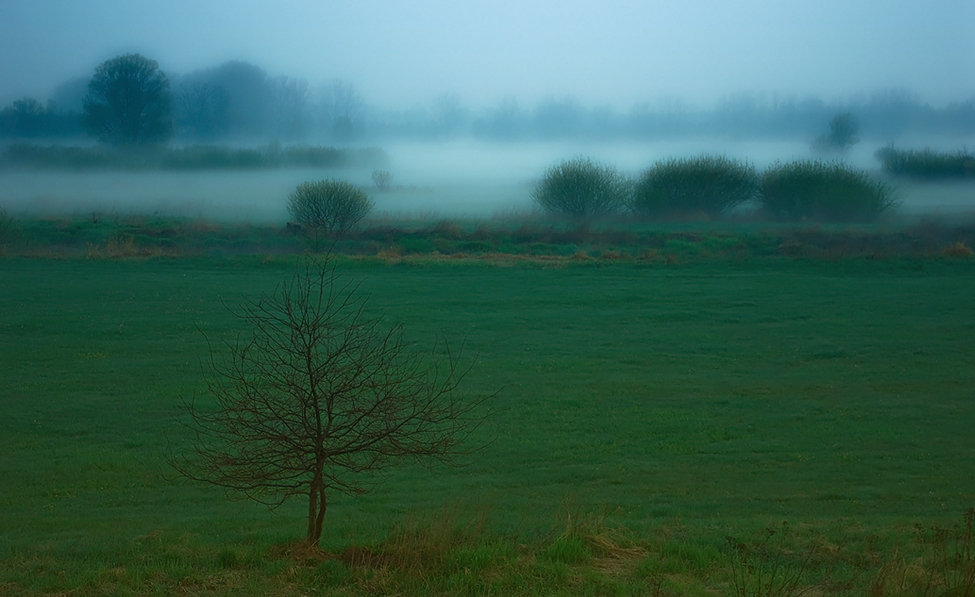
(705, 186)
(581, 188)
(823, 191)
(328, 205)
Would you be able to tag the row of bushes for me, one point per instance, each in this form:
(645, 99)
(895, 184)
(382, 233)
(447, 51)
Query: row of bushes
(926, 163)
(187, 158)
(709, 187)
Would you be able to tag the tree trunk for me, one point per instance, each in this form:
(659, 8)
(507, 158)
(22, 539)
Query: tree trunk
(317, 503)
(321, 515)
(312, 515)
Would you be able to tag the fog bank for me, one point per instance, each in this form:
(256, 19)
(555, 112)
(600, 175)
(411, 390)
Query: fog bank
(429, 180)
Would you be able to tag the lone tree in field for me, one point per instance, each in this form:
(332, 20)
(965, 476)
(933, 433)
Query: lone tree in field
(327, 207)
(317, 395)
(129, 102)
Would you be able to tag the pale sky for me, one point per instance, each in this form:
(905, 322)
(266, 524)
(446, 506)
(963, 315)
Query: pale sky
(618, 52)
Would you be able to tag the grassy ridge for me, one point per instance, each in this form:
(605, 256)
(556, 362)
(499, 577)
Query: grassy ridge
(646, 412)
(198, 157)
(101, 235)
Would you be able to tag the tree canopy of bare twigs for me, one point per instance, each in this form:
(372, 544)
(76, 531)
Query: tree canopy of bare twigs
(317, 394)
(328, 207)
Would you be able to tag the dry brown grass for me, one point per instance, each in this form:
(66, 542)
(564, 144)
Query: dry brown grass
(958, 250)
(611, 556)
(123, 248)
(446, 229)
(898, 577)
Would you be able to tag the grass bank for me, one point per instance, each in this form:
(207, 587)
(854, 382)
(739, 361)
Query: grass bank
(106, 235)
(675, 430)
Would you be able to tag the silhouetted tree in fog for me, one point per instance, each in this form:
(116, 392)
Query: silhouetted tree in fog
(503, 121)
(893, 112)
(843, 129)
(448, 113)
(249, 96)
(69, 96)
(129, 102)
(341, 109)
(28, 118)
(558, 118)
(24, 118)
(202, 109)
(291, 113)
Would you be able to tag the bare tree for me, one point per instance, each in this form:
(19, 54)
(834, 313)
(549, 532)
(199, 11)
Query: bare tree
(448, 112)
(341, 108)
(842, 134)
(291, 113)
(504, 119)
(318, 394)
(201, 108)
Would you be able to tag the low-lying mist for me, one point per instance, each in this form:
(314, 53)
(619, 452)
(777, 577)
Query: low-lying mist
(455, 179)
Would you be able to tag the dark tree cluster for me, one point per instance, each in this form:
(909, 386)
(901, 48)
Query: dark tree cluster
(129, 102)
(28, 118)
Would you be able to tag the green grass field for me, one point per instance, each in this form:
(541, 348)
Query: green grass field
(644, 413)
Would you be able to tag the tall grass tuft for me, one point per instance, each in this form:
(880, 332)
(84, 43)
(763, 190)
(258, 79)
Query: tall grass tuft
(948, 568)
(769, 568)
(582, 188)
(706, 186)
(823, 191)
(926, 163)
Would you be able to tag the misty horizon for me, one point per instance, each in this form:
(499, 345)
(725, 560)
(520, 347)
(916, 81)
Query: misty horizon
(664, 103)
(618, 54)
(622, 81)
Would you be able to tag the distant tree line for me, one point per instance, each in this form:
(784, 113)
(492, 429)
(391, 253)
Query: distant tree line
(239, 101)
(28, 118)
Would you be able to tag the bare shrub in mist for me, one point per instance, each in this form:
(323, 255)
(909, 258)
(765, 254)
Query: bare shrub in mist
(823, 191)
(328, 207)
(382, 179)
(926, 163)
(843, 129)
(582, 188)
(705, 186)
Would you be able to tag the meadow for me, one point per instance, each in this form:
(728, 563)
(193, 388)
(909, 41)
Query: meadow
(774, 426)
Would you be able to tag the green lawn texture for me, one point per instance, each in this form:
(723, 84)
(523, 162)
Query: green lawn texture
(687, 402)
